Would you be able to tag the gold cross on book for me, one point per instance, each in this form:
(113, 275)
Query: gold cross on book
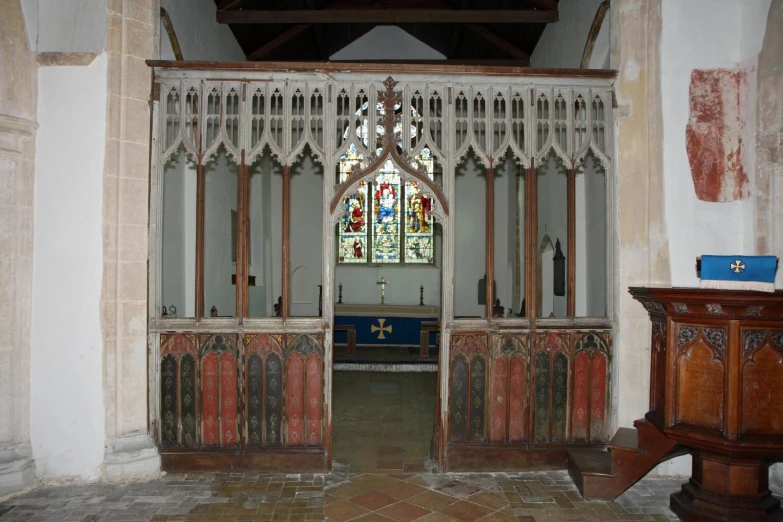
(383, 282)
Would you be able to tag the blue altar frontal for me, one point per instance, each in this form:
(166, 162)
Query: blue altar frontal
(398, 325)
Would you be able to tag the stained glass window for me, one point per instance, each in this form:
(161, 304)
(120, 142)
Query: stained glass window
(352, 246)
(385, 221)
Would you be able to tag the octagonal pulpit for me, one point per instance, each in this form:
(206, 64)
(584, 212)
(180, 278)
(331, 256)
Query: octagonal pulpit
(716, 387)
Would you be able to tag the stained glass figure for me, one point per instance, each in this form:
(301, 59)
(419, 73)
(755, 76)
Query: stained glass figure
(352, 244)
(419, 241)
(386, 215)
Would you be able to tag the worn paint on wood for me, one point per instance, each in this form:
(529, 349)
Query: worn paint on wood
(542, 381)
(187, 371)
(255, 398)
(715, 132)
(580, 413)
(499, 397)
(295, 399)
(559, 397)
(517, 416)
(274, 401)
(229, 435)
(209, 400)
(478, 389)
(168, 401)
(598, 398)
(458, 403)
(314, 395)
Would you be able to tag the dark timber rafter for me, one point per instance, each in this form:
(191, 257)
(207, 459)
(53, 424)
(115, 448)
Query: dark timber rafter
(279, 40)
(547, 4)
(384, 16)
(498, 41)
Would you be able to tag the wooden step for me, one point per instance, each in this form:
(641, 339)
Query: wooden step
(625, 439)
(630, 455)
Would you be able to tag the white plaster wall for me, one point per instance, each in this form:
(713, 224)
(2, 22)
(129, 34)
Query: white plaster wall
(470, 219)
(266, 192)
(306, 236)
(552, 221)
(220, 198)
(200, 36)
(387, 42)
(562, 44)
(595, 238)
(179, 231)
(715, 33)
(65, 25)
(67, 428)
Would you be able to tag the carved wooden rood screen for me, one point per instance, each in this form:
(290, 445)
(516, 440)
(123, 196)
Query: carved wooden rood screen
(253, 390)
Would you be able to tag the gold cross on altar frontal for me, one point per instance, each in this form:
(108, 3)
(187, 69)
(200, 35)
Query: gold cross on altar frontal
(383, 282)
(381, 329)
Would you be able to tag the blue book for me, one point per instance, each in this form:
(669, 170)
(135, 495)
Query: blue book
(739, 272)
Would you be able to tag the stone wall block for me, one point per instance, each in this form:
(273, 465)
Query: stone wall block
(134, 319)
(141, 11)
(137, 160)
(136, 121)
(113, 108)
(133, 392)
(110, 199)
(133, 243)
(133, 282)
(137, 39)
(135, 198)
(139, 78)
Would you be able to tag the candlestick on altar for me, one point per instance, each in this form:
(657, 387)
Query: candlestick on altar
(421, 295)
(383, 282)
(340, 294)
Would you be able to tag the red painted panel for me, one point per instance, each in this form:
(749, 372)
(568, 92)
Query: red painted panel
(518, 400)
(209, 399)
(315, 402)
(598, 398)
(294, 399)
(581, 396)
(228, 397)
(499, 395)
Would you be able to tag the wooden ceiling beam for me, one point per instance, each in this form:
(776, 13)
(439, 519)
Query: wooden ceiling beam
(279, 40)
(456, 32)
(547, 4)
(384, 16)
(229, 4)
(498, 41)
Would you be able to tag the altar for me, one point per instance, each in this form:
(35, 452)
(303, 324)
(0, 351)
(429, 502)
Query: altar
(384, 325)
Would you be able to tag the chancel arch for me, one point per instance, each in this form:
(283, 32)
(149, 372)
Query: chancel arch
(321, 167)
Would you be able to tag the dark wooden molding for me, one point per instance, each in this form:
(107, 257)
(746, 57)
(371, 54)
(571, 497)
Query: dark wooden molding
(388, 16)
(467, 67)
(279, 40)
(547, 4)
(230, 4)
(286, 254)
(595, 28)
(571, 260)
(531, 243)
(173, 40)
(498, 41)
(243, 194)
(200, 203)
(490, 243)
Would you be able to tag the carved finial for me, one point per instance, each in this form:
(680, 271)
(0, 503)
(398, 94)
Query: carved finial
(389, 98)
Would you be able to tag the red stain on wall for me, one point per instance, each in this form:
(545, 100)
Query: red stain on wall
(714, 134)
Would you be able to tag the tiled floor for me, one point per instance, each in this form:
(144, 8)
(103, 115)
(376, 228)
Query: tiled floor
(383, 426)
(522, 497)
(383, 421)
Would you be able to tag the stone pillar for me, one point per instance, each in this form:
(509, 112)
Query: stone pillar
(131, 38)
(18, 89)
(769, 141)
(642, 256)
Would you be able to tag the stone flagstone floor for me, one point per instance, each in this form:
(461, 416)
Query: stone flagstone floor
(523, 497)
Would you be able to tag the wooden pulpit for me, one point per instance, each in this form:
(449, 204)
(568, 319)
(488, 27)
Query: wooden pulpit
(716, 388)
